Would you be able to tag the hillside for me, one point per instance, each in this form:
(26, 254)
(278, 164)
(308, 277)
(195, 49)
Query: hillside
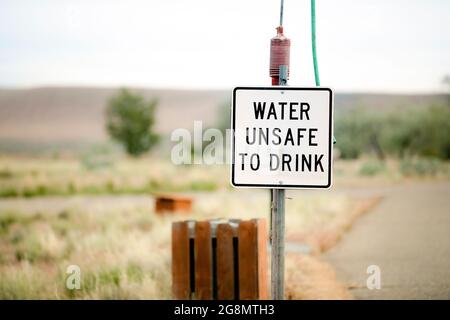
(76, 115)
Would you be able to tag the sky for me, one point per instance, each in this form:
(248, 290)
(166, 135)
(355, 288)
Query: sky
(363, 46)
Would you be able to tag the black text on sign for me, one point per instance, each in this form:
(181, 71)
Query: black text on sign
(282, 137)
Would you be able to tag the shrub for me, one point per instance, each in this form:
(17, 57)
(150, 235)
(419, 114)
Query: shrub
(6, 173)
(130, 120)
(357, 132)
(98, 157)
(418, 132)
(372, 168)
(422, 167)
(6, 220)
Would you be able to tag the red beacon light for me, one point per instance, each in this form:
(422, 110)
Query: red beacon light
(279, 55)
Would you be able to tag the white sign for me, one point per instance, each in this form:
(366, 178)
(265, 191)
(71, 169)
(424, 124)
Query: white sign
(282, 137)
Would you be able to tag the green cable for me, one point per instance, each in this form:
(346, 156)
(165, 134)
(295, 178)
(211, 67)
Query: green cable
(313, 45)
(313, 38)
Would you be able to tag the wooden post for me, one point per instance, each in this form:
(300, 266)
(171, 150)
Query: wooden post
(181, 287)
(225, 262)
(252, 260)
(203, 261)
(248, 265)
(263, 288)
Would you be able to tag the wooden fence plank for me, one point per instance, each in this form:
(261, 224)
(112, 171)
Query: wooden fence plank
(263, 285)
(225, 262)
(203, 261)
(181, 288)
(248, 260)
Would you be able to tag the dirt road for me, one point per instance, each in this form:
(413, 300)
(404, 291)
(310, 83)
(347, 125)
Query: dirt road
(408, 236)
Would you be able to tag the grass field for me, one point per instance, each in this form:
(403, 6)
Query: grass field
(43, 176)
(31, 177)
(120, 244)
(56, 212)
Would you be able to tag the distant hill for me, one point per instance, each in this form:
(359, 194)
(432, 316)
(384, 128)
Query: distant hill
(76, 115)
(56, 114)
(386, 102)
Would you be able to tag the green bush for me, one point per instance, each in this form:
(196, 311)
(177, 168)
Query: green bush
(98, 157)
(424, 133)
(9, 192)
(419, 132)
(422, 167)
(130, 121)
(134, 273)
(6, 220)
(372, 168)
(224, 116)
(109, 277)
(6, 173)
(358, 132)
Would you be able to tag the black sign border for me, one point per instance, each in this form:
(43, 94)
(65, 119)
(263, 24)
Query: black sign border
(283, 186)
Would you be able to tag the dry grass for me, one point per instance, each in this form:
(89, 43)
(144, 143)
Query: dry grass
(308, 278)
(368, 171)
(109, 173)
(122, 254)
(31, 177)
(121, 245)
(326, 229)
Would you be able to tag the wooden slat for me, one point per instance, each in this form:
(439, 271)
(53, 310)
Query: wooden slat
(263, 286)
(180, 261)
(203, 261)
(248, 260)
(225, 262)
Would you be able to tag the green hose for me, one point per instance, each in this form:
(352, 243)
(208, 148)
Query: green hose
(313, 45)
(313, 38)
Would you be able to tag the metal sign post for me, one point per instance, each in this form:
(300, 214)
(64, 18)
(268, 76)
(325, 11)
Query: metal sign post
(282, 139)
(278, 227)
(277, 222)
